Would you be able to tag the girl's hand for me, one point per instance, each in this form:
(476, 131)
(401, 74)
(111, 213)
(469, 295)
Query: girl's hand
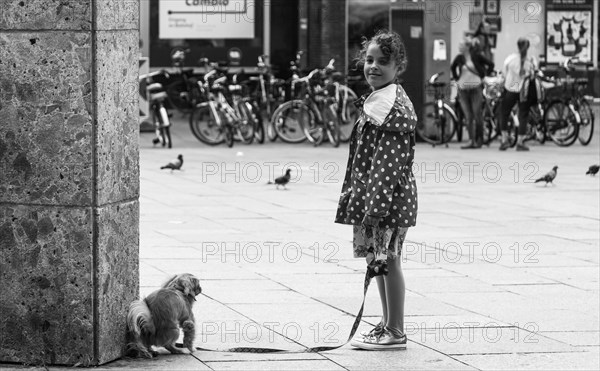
(371, 221)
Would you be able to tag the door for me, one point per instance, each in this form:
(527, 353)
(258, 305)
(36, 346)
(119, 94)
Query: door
(284, 36)
(409, 24)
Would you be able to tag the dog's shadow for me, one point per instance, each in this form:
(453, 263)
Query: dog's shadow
(164, 361)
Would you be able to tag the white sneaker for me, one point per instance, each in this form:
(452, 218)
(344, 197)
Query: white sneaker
(385, 341)
(375, 330)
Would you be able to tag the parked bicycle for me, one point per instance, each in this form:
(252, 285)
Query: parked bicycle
(225, 113)
(315, 116)
(345, 98)
(159, 114)
(536, 125)
(439, 121)
(537, 128)
(492, 93)
(267, 92)
(570, 117)
(291, 126)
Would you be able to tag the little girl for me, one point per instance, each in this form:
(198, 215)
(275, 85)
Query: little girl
(379, 194)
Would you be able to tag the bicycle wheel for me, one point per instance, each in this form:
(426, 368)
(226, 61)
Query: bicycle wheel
(179, 97)
(513, 128)
(490, 125)
(314, 130)
(270, 131)
(288, 121)
(586, 129)
(436, 128)
(259, 129)
(348, 112)
(245, 127)
(561, 123)
(229, 136)
(204, 126)
(332, 125)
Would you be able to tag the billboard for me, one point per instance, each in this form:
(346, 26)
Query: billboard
(569, 30)
(206, 19)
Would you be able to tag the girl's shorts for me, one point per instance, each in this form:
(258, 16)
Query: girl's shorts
(383, 242)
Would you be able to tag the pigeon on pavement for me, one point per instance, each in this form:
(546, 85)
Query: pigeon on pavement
(283, 180)
(549, 177)
(593, 170)
(175, 164)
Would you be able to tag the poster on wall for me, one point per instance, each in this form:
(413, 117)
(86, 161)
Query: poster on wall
(206, 19)
(569, 31)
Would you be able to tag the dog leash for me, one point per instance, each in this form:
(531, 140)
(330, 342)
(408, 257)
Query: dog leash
(372, 271)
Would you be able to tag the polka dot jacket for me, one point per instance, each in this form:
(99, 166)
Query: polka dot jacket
(379, 181)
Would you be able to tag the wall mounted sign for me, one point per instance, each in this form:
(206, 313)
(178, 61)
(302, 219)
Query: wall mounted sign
(491, 7)
(569, 30)
(439, 50)
(206, 19)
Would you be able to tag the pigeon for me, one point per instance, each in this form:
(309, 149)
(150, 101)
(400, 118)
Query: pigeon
(593, 170)
(175, 164)
(549, 177)
(283, 180)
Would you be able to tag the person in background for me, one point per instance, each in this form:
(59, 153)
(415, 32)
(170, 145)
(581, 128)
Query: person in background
(468, 69)
(518, 67)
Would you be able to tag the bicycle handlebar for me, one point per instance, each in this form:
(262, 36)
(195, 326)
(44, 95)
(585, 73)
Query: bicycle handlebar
(155, 73)
(209, 74)
(330, 66)
(434, 77)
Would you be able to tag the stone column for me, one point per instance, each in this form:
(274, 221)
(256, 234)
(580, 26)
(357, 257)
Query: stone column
(69, 179)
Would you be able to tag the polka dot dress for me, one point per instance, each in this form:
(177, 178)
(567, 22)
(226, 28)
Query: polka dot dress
(379, 181)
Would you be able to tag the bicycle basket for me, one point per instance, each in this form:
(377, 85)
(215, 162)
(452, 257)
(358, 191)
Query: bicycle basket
(492, 87)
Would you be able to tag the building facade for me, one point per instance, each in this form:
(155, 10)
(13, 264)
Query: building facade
(326, 29)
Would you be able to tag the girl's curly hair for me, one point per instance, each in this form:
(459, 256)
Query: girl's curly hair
(391, 46)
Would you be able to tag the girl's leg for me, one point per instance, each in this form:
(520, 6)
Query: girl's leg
(395, 290)
(383, 297)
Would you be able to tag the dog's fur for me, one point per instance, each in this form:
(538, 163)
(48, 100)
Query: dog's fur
(155, 320)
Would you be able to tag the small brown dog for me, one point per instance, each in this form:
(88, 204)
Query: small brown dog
(155, 320)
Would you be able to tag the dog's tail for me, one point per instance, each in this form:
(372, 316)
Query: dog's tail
(140, 326)
(139, 319)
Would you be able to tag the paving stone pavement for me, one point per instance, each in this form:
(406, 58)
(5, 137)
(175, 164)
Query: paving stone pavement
(501, 272)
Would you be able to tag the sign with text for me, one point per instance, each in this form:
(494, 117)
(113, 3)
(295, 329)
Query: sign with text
(206, 19)
(569, 5)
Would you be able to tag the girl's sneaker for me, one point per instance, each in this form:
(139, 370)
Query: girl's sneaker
(387, 340)
(375, 330)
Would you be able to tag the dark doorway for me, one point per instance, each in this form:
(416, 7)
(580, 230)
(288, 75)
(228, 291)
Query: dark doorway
(409, 24)
(284, 36)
